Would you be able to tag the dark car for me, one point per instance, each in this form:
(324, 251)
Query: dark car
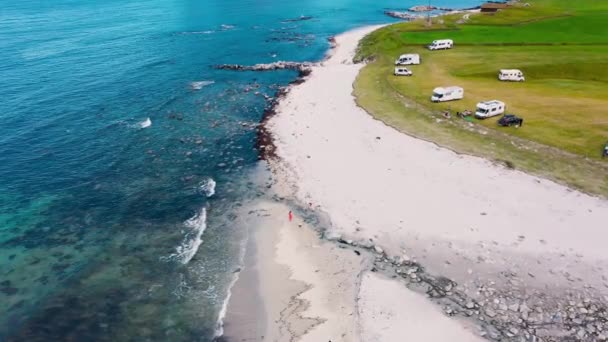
(510, 120)
(605, 153)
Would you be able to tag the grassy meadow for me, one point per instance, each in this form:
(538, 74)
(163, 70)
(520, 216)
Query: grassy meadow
(562, 48)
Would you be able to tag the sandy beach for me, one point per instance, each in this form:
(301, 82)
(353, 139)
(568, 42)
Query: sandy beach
(420, 241)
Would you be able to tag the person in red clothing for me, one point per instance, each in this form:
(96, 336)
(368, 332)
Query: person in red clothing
(290, 216)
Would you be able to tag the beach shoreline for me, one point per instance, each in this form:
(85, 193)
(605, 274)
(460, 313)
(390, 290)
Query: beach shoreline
(479, 241)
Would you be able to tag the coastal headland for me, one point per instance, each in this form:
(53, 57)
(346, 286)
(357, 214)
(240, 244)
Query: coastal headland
(396, 237)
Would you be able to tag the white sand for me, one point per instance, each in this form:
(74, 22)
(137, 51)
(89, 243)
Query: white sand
(409, 195)
(390, 312)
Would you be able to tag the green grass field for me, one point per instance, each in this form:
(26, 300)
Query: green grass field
(562, 48)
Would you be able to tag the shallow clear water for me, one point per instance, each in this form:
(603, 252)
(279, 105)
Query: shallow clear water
(112, 125)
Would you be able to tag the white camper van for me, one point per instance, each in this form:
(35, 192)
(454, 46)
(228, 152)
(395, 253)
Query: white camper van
(407, 59)
(511, 75)
(441, 44)
(403, 71)
(442, 94)
(489, 108)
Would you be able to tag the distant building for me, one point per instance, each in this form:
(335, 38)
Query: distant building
(493, 7)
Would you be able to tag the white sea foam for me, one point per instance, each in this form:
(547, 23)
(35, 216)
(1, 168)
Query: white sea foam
(226, 27)
(146, 123)
(198, 32)
(192, 239)
(198, 85)
(219, 326)
(219, 329)
(208, 187)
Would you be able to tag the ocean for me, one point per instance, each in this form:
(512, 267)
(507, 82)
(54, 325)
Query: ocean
(125, 157)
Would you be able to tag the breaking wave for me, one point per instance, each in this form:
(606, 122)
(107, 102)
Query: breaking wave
(207, 187)
(198, 85)
(198, 32)
(195, 226)
(146, 123)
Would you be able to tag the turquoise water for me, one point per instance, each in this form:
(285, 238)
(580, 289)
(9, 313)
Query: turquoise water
(114, 129)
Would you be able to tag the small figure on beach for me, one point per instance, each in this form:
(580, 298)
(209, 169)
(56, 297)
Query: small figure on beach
(290, 216)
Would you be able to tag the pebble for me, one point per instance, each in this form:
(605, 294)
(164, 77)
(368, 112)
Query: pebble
(412, 270)
(490, 313)
(378, 249)
(581, 333)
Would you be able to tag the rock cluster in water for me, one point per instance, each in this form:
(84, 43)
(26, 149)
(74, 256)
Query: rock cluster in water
(401, 15)
(281, 65)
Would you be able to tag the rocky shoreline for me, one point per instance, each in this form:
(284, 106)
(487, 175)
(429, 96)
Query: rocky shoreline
(502, 311)
(407, 14)
(264, 140)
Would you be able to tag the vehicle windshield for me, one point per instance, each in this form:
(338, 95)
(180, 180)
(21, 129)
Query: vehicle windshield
(481, 110)
(438, 95)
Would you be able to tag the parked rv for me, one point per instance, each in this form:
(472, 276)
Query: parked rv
(441, 44)
(442, 94)
(408, 59)
(402, 71)
(488, 109)
(511, 75)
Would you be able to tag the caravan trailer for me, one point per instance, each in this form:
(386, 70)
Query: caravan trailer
(403, 71)
(511, 75)
(488, 109)
(442, 94)
(408, 59)
(441, 44)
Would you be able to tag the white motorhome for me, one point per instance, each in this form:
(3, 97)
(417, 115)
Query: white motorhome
(441, 44)
(408, 59)
(402, 71)
(442, 94)
(511, 75)
(488, 109)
